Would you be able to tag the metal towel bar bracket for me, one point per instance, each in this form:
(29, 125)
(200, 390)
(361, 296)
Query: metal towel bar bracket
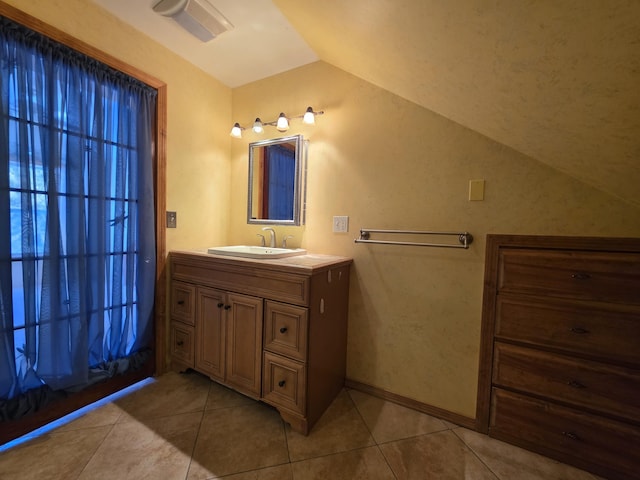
(465, 238)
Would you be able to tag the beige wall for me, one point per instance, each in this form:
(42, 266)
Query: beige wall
(415, 312)
(199, 108)
(387, 163)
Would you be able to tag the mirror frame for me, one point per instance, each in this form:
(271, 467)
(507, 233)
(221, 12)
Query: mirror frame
(299, 187)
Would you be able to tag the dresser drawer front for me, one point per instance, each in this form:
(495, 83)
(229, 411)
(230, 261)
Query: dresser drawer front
(183, 302)
(611, 333)
(569, 435)
(284, 383)
(602, 276)
(181, 343)
(596, 386)
(285, 329)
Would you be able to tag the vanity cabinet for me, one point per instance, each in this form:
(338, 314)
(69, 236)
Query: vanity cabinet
(275, 330)
(560, 369)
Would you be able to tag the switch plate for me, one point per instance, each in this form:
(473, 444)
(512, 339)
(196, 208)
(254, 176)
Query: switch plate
(476, 190)
(172, 219)
(340, 224)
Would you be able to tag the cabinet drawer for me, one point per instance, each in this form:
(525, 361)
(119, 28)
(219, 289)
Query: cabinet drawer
(610, 332)
(581, 383)
(602, 276)
(566, 434)
(284, 383)
(183, 302)
(181, 343)
(285, 329)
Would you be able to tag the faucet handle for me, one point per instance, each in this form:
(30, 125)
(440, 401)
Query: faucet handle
(262, 243)
(284, 241)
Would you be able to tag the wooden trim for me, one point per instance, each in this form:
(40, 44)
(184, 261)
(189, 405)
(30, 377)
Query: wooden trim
(13, 429)
(160, 340)
(496, 242)
(413, 404)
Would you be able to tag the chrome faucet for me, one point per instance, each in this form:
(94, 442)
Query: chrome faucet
(272, 239)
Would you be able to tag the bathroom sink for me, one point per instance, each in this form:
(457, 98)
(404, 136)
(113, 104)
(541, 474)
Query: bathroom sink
(250, 251)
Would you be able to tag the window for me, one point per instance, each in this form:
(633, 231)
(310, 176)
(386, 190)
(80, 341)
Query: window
(77, 236)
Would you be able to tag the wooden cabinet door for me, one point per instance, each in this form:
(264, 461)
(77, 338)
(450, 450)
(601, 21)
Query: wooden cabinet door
(210, 345)
(244, 343)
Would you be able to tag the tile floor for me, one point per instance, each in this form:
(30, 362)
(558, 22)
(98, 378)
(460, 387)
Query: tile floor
(183, 426)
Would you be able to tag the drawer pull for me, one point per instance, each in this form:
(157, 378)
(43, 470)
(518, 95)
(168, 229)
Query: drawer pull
(180, 343)
(283, 329)
(180, 302)
(579, 330)
(570, 435)
(581, 276)
(227, 307)
(576, 384)
(281, 383)
(220, 305)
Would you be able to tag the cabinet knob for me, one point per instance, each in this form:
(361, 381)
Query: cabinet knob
(220, 305)
(579, 330)
(570, 435)
(283, 329)
(281, 383)
(180, 343)
(581, 276)
(180, 302)
(576, 384)
(227, 307)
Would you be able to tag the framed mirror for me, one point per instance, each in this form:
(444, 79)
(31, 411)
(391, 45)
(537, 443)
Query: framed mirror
(276, 181)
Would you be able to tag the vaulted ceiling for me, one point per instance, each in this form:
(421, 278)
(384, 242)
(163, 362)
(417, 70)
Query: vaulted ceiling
(558, 80)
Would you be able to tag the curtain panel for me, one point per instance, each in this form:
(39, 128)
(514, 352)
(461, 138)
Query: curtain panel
(77, 238)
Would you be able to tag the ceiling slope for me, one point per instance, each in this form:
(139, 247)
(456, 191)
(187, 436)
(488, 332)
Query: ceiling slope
(556, 80)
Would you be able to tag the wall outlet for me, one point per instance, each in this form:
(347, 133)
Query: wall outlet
(172, 219)
(340, 224)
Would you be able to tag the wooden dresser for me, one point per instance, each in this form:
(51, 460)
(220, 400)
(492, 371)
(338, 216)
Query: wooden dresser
(560, 354)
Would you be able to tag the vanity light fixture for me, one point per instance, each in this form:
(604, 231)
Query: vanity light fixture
(257, 126)
(281, 124)
(236, 131)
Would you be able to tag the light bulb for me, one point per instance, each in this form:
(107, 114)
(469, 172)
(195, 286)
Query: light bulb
(257, 126)
(309, 116)
(282, 124)
(236, 131)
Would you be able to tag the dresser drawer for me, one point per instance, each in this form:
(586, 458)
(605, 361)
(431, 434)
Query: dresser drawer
(181, 344)
(610, 332)
(597, 386)
(602, 276)
(183, 302)
(285, 329)
(566, 434)
(283, 383)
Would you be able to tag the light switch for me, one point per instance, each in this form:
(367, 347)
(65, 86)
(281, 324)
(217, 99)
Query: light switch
(476, 190)
(172, 219)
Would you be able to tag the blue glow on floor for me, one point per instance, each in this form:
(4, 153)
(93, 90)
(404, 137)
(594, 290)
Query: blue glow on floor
(74, 415)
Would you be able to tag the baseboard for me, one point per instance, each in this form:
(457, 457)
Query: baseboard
(413, 404)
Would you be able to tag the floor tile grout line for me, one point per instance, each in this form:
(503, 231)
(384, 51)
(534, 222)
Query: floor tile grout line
(113, 425)
(195, 441)
(475, 454)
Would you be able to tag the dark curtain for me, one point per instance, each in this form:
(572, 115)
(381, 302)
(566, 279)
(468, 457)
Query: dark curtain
(77, 238)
